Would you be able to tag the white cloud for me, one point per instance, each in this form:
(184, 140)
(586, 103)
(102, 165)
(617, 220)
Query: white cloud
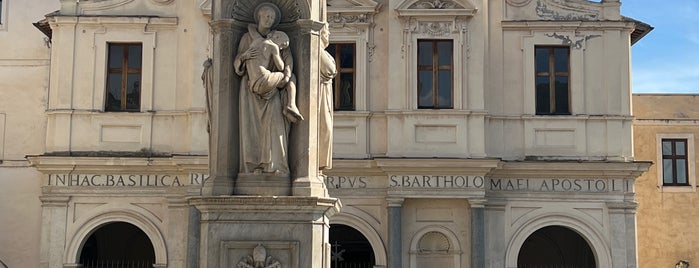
(677, 79)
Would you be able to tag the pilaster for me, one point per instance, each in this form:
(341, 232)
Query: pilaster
(54, 215)
(395, 240)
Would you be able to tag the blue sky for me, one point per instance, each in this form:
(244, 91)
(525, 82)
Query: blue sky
(667, 59)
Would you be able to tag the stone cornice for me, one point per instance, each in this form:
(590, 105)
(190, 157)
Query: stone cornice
(543, 25)
(266, 204)
(171, 164)
(114, 20)
(571, 169)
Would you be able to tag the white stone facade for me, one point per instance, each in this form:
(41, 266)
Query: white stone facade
(477, 178)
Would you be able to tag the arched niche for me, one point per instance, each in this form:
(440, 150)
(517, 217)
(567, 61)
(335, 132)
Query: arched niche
(242, 11)
(346, 217)
(593, 237)
(117, 244)
(435, 246)
(133, 217)
(556, 246)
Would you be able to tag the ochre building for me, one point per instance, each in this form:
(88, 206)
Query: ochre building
(665, 132)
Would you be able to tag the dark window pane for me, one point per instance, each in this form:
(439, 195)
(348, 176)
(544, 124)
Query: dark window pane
(331, 49)
(681, 171)
(134, 57)
(444, 53)
(560, 56)
(543, 98)
(116, 56)
(424, 53)
(113, 92)
(444, 92)
(542, 60)
(667, 171)
(425, 93)
(347, 56)
(667, 147)
(562, 95)
(346, 92)
(133, 92)
(679, 148)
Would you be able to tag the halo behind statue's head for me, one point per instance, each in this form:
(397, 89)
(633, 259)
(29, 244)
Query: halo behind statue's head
(270, 6)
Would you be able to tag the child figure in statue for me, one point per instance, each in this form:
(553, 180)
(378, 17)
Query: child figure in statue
(263, 53)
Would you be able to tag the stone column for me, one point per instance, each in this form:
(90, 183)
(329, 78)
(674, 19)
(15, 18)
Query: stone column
(395, 240)
(224, 136)
(303, 145)
(477, 233)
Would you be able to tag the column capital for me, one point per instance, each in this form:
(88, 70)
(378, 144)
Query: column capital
(477, 202)
(395, 201)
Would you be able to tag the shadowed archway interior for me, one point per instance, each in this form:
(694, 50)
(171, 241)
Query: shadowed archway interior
(119, 245)
(555, 246)
(349, 248)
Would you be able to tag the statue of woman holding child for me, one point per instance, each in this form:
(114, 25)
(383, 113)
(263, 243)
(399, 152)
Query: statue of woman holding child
(267, 95)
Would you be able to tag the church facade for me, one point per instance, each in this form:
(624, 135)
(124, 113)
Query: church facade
(466, 133)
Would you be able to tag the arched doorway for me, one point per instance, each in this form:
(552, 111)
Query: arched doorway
(555, 246)
(119, 245)
(349, 248)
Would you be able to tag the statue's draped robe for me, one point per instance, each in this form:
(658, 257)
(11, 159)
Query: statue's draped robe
(325, 111)
(264, 131)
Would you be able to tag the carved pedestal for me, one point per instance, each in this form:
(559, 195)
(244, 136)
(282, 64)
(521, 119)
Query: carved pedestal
(291, 232)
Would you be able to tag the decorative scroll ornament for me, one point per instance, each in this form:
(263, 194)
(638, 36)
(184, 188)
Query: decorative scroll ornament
(434, 4)
(343, 18)
(518, 3)
(258, 259)
(548, 13)
(435, 28)
(163, 2)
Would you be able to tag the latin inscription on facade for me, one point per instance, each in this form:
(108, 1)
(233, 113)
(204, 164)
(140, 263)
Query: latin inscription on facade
(560, 185)
(583, 185)
(436, 181)
(126, 180)
(339, 182)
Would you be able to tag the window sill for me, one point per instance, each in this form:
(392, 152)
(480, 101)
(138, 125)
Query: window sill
(677, 189)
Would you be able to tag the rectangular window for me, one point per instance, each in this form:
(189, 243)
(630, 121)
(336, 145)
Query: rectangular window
(552, 80)
(675, 162)
(2, 15)
(344, 82)
(123, 77)
(435, 74)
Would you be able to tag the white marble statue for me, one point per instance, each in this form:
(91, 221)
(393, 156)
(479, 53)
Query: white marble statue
(267, 95)
(325, 107)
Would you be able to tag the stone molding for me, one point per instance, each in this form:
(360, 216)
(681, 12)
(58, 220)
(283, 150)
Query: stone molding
(172, 164)
(263, 202)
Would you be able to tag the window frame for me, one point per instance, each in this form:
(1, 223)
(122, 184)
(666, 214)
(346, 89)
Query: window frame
(337, 79)
(3, 14)
(690, 166)
(124, 71)
(674, 157)
(435, 67)
(552, 75)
